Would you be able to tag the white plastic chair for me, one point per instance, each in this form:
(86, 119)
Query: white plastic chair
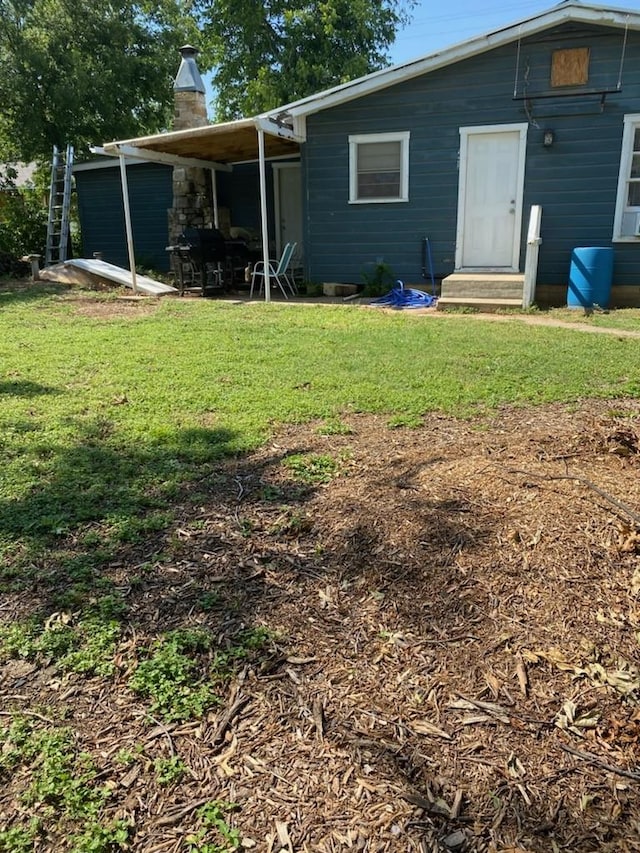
(277, 272)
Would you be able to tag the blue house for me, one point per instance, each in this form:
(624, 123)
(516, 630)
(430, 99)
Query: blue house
(531, 131)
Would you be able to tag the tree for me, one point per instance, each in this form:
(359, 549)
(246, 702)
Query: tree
(265, 54)
(23, 222)
(85, 72)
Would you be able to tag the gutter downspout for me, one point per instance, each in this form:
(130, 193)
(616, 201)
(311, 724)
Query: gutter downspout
(127, 221)
(263, 215)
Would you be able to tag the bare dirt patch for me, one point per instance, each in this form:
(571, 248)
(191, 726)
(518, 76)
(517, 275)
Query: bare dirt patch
(113, 308)
(455, 662)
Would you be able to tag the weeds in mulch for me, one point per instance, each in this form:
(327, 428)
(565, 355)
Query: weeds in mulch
(86, 647)
(214, 834)
(184, 668)
(169, 771)
(62, 796)
(334, 426)
(175, 677)
(312, 469)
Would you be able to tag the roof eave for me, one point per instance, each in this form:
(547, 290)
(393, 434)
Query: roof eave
(177, 135)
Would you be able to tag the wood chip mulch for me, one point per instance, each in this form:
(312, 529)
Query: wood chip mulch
(458, 643)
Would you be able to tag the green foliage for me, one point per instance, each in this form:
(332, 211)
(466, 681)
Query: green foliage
(268, 54)
(181, 669)
(60, 780)
(208, 601)
(170, 770)
(97, 641)
(62, 777)
(254, 639)
(270, 494)
(97, 838)
(334, 426)
(83, 72)
(87, 647)
(214, 835)
(23, 222)
(127, 756)
(173, 677)
(17, 640)
(311, 468)
(19, 839)
(85, 475)
(408, 421)
(378, 279)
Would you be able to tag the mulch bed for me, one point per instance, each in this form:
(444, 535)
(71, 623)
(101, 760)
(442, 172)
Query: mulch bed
(458, 638)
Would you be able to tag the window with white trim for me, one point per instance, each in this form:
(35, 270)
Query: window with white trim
(626, 224)
(378, 167)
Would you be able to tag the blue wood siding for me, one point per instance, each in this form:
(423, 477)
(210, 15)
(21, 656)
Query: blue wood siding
(102, 216)
(151, 195)
(244, 197)
(575, 180)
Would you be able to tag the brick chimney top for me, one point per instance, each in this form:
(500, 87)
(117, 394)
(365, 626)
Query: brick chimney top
(188, 78)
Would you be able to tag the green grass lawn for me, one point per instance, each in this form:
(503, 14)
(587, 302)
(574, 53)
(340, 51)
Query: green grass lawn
(103, 417)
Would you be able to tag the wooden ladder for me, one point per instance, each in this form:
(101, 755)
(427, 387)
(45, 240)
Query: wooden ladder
(59, 206)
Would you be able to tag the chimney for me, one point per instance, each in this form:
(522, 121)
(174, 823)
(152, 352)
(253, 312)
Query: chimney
(192, 206)
(188, 88)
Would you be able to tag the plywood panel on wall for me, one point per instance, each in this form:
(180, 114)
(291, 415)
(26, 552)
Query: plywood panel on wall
(570, 67)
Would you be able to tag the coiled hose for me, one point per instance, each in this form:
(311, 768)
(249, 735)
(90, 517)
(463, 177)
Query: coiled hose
(404, 297)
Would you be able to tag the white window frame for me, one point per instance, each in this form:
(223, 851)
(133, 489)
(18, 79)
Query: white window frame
(365, 138)
(631, 124)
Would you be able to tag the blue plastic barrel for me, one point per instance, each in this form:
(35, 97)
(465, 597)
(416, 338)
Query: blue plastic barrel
(590, 277)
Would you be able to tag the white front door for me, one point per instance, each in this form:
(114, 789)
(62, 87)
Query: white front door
(490, 194)
(288, 206)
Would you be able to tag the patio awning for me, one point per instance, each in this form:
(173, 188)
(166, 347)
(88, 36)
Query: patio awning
(215, 147)
(226, 143)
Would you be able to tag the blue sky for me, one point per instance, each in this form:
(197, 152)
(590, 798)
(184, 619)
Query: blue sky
(439, 24)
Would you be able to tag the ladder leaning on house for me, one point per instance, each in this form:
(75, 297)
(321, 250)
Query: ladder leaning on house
(59, 206)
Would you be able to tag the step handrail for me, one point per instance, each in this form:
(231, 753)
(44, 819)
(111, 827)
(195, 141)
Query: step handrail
(531, 258)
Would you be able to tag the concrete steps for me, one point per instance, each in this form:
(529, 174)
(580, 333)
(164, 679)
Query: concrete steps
(484, 291)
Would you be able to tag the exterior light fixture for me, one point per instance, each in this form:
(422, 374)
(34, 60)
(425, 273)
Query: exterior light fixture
(548, 138)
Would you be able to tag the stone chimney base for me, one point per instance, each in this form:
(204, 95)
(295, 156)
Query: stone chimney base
(192, 206)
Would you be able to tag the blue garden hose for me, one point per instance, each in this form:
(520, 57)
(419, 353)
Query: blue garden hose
(404, 297)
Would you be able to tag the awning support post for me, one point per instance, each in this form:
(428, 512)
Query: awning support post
(214, 193)
(127, 222)
(263, 215)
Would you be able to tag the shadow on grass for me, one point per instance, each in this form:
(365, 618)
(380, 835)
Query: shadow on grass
(25, 388)
(24, 290)
(92, 502)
